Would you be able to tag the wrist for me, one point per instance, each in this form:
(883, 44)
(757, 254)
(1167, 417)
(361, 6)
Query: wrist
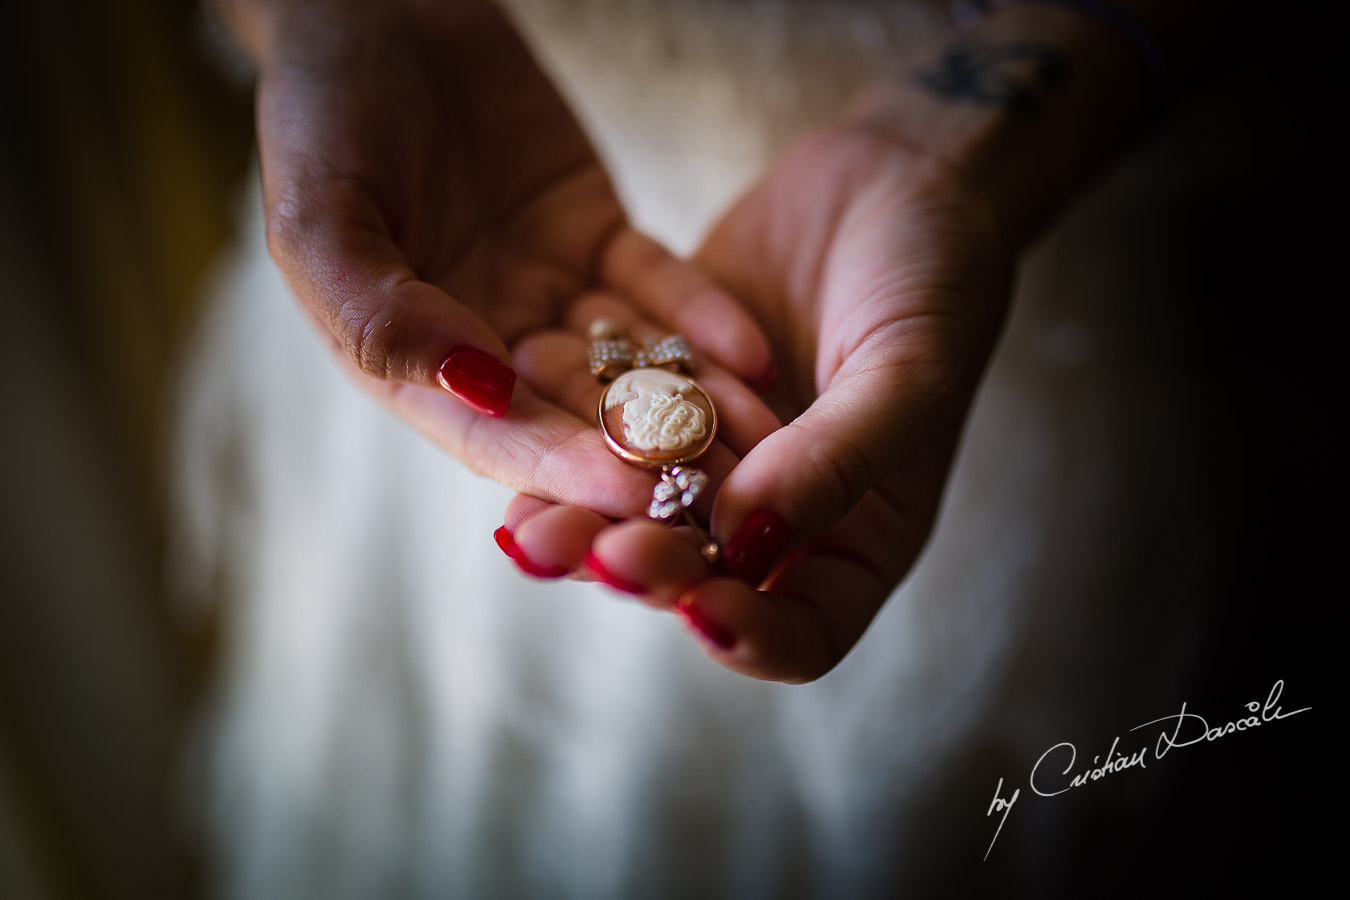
(1023, 107)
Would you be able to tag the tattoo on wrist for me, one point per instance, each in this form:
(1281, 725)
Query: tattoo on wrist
(1013, 76)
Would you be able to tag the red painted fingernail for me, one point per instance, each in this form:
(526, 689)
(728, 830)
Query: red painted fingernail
(478, 379)
(767, 379)
(525, 565)
(603, 574)
(703, 625)
(507, 541)
(756, 546)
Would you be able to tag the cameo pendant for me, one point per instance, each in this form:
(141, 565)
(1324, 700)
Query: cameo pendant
(656, 418)
(652, 414)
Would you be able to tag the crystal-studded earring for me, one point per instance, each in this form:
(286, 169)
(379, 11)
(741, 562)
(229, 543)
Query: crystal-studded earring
(652, 414)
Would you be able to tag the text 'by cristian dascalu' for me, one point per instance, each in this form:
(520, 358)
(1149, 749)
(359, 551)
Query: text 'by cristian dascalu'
(1050, 776)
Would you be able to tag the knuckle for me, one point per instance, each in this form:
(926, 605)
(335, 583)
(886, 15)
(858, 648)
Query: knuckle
(290, 223)
(346, 291)
(844, 475)
(367, 333)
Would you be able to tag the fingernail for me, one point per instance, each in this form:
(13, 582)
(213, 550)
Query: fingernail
(603, 574)
(478, 379)
(507, 542)
(767, 379)
(756, 546)
(525, 565)
(703, 625)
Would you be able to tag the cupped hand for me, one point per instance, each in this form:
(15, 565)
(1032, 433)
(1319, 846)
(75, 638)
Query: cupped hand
(881, 281)
(435, 205)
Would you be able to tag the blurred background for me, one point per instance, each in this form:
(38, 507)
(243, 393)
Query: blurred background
(124, 145)
(123, 141)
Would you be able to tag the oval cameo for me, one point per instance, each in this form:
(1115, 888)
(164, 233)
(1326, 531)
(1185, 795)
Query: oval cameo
(656, 418)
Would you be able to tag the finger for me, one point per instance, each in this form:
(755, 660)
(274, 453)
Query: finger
(536, 448)
(522, 507)
(890, 408)
(330, 239)
(816, 610)
(647, 560)
(555, 366)
(682, 297)
(552, 541)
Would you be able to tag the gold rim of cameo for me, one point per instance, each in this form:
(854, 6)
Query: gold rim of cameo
(618, 449)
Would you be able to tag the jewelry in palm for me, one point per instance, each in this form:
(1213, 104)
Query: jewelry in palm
(652, 414)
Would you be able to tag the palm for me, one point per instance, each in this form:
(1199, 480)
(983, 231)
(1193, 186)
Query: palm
(451, 141)
(428, 189)
(853, 254)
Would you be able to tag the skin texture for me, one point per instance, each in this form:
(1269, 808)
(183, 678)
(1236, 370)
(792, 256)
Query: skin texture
(884, 288)
(427, 188)
(878, 255)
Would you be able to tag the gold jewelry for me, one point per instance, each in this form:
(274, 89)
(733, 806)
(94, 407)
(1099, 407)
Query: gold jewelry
(652, 414)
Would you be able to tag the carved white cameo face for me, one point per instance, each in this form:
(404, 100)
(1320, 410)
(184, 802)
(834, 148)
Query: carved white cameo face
(656, 417)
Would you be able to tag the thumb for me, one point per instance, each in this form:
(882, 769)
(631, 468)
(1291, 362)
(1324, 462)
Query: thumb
(329, 234)
(890, 424)
(335, 250)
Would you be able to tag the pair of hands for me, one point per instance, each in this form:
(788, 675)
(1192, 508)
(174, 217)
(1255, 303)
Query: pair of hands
(428, 189)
